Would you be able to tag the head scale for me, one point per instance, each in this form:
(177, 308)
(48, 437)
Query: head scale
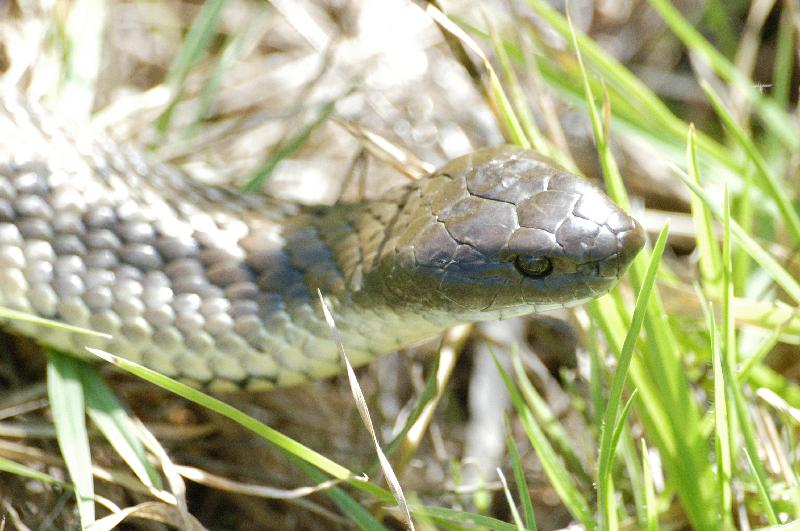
(502, 232)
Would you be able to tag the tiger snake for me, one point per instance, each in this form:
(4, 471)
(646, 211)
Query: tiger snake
(218, 288)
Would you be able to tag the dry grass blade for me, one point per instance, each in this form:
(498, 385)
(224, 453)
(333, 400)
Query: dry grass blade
(154, 511)
(777, 402)
(260, 491)
(174, 479)
(510, 499)
(501, 100)
(383, 149)
(361, 405)
(452, 344)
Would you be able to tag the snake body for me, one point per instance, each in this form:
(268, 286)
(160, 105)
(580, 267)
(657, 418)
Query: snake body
(218, 288)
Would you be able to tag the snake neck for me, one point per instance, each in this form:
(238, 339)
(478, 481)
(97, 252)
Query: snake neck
(343, 251)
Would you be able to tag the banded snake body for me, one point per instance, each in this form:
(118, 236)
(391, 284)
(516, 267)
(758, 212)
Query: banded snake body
(218, 288)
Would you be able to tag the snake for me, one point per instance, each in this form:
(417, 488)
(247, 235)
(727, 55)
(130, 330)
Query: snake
(218, 288)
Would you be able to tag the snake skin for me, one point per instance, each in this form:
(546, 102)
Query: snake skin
(218, 288)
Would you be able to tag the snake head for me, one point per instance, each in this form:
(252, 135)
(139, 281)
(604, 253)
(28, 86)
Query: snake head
(502, 232)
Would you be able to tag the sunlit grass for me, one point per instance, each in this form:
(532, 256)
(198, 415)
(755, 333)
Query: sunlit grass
(667, 408)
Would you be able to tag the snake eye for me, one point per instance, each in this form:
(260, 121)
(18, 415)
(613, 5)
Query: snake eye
(533, 266)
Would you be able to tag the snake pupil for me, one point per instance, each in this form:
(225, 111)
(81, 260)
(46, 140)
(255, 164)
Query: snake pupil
(533, 266)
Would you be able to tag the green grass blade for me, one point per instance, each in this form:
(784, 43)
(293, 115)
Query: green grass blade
(785, 50)
(18, 469)
(710, 264)
(651, 503)
(615, 395)
(621, 419)
(233, 51)
(67, 404)
(673, 428)
(523, 128)
(15, 315)
(611, 176)
(773, 188)
(728, 362)
(562, 483)
(722, 358)
(114, 422)
(461, 519)
(194, 45)
(265, 432)
(722, 424)
(779, 123)
(549, 422)
(756, 252)
(361, 517)
(761, 488)
(519, 478)
(288, 148)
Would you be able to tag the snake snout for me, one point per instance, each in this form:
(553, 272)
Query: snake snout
(630, 240)
(630, 243)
